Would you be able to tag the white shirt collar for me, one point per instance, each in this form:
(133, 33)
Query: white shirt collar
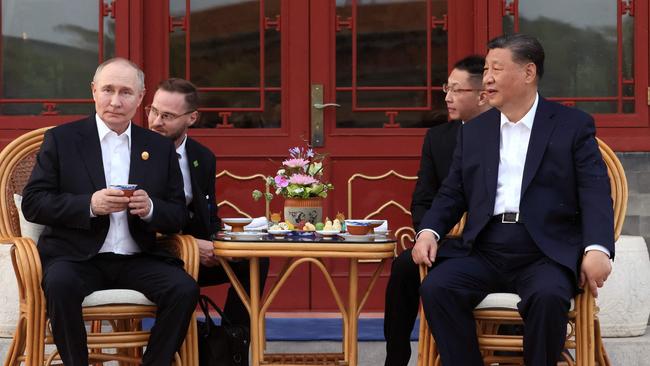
(103, 130)
(528, 118)
(181, 148)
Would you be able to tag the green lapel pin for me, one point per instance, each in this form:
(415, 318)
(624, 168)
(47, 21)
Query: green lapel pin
(195, 163)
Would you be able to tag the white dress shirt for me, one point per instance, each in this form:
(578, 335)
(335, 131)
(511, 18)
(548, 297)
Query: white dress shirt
(185, 170)
(116, 158)
(515, 137)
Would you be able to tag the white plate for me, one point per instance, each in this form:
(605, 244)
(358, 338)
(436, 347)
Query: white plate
(237, 220)
(245, 235)
(327, 232)
(278, 232)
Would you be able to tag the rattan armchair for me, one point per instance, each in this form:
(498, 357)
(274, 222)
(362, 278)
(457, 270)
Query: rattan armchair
(123, 311)
(499, 308)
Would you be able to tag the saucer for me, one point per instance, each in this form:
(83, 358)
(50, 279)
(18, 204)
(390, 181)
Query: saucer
(244, 235)
(366, 237)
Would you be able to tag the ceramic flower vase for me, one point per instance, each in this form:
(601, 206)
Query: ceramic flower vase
(303, 209)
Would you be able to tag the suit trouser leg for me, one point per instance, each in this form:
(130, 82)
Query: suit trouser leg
(65, 285)
(450, 292)
(175, 294)
(401, 309)
(546, 289)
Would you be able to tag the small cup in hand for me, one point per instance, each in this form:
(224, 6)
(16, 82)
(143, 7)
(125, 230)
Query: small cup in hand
(128, 189)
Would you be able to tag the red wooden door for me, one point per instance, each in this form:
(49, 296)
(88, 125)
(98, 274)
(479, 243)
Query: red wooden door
(267, 70)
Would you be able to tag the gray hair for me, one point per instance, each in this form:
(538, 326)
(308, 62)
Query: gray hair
(139, 72)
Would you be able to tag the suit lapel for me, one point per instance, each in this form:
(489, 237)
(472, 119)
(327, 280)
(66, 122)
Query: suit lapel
(492, 140)
(542, 129)
(193, 162)
(90, 151)
(139, 155)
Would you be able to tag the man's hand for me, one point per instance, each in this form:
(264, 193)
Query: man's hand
(106, 201)
(206, 253)
(139, 203)
(425, 249)
(594, 270)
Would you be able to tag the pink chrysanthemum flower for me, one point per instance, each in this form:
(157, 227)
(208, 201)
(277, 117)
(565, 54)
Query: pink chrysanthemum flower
(281, 181)
(295, 163)
(302, 179)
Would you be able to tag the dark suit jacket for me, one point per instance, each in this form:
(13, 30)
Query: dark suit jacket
(69, 170)
(204, 221)
(565, 200)
(437, 151)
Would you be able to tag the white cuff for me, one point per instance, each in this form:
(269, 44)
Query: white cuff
(429, 230)
(150, 214)
(599, 248)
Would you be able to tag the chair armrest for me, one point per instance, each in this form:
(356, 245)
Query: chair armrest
(185, 248)
(28, 271)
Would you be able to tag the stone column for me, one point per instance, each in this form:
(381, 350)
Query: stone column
(624, 300)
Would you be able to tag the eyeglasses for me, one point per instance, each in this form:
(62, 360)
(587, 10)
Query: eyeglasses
(164, 116)
(447, 89)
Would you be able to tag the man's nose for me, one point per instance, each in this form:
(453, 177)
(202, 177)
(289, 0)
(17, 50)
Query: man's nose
(115, 100)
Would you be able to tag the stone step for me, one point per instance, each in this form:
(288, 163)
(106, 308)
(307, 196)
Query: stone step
(632, 351)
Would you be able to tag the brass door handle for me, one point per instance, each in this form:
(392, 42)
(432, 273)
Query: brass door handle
(317, 123)
(323, 106)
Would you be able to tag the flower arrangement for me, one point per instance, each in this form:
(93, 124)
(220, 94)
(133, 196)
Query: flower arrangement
(300, 176)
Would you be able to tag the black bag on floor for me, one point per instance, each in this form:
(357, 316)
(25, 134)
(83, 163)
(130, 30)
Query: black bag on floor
(221, 345)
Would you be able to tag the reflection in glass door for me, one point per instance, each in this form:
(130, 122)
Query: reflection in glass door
(49, 52)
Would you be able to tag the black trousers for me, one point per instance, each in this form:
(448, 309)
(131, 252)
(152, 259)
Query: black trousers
(165, 283)
(504, 259)
(401, 308)
(234, 309)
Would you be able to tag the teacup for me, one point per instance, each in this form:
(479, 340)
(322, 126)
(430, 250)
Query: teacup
(128, 189)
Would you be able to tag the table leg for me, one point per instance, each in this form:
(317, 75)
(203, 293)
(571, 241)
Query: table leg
(352, 313)
(256, 337)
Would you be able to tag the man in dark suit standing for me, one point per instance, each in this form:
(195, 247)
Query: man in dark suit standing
(96, 237)
(172, 111)
(465, 100)
(540, 219)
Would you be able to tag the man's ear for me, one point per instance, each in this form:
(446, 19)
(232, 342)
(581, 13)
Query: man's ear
(194, 116)
(482, 98)
(531, 72)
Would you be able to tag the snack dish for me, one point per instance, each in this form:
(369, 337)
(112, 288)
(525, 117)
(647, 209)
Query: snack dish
(327, 234)
(279, 232)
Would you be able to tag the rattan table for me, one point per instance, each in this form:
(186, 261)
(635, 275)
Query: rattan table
(298, 250)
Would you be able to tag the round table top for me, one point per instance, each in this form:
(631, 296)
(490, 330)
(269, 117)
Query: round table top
(309, 245)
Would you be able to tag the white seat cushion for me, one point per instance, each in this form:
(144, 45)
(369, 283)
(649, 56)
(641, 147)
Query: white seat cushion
(117, 296)
(28, 229)
(500, 300)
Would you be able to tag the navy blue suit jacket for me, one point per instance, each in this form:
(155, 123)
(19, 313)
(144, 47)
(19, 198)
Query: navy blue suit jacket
(565, 198)
(69, 170)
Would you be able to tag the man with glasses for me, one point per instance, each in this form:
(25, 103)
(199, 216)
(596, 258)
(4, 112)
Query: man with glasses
(465, 100)
(173, 110)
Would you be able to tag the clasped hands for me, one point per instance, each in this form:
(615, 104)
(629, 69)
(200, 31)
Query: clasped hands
(107, 200)
(594, 270)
